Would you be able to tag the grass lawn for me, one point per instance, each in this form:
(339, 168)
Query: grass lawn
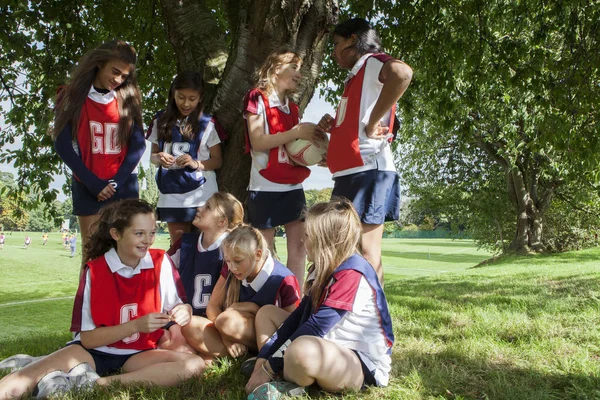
(522, 328)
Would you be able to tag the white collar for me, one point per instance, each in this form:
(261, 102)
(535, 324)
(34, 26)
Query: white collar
(275, 102)
(361, 61)
(262, 276)
(101, 97)
(215, 245)
(115, 264)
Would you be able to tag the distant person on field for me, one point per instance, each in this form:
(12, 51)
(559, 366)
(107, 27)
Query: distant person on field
(45, 239)
(27, 242)
(73, 245)
(2, 238)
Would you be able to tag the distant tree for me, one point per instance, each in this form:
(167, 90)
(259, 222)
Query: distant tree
(148, 187)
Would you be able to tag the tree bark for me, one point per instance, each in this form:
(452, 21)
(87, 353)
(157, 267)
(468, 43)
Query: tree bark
(256, 28)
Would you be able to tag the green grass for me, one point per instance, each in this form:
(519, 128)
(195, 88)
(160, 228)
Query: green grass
(521, 328)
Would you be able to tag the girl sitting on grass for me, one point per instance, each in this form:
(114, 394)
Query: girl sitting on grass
(250, 279)
(340, 336)
(127, 293)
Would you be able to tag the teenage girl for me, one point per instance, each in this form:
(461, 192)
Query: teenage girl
(199, 260)
(276, 196)
(359, 153)
(127, 293)
(343, 319)
(187, 150)
(250, 279)
(98, 130)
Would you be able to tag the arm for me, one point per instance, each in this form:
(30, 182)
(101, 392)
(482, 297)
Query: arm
(135, 151)
(262, 142)
(64, 148)
(247, 307)
(217, 298)
(396, 77)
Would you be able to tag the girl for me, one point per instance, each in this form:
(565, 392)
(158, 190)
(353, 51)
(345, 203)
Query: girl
(343, 319)
(199, 260)
(127, 293)
(250, 280)
(98, 131)
(359, 153)
(275, 190)
(187, 150)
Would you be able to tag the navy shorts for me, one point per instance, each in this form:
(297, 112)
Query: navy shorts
(106, 364)
(270, 209)
(375, 194)
(369, 378)
(85, 203)
(167, 214)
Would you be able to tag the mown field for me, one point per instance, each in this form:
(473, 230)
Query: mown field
(521, 328)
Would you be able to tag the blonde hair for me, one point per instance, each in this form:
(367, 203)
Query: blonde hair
(334, 231)
(230, 208)
(243, 240)
(278, 58)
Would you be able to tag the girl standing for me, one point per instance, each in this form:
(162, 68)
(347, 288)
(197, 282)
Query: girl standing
(276, 196)
(250, 280)
(359, 153)
(343, 318)
(127, 293)
(98, 130)
(187, 150)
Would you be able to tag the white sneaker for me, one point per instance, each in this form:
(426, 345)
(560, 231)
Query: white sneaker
(83, 376)
(18, 361)
(52, 383)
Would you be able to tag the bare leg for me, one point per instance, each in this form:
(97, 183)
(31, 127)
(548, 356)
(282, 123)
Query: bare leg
(204, 337)
(158, 367)
(296, 260)
(371, 247)
(268, 319)
(85, 224)
(176, 229)
(25, 380)
(269, 235)
(334, 368)
(237, 327)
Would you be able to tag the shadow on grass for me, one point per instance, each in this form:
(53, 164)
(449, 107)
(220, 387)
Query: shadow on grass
(436, 243)
(448, 374)
(435, 256)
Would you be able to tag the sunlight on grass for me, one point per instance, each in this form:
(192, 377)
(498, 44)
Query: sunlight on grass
(519, 328)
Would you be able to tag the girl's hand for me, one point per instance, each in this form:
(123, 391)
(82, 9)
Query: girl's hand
(181, 314)
(151, 322)
(259, 376)
(308, 131)
(326, 123)
(376, 131)
(185, 160)
(106, 193)
(166, 159)
(234, 349)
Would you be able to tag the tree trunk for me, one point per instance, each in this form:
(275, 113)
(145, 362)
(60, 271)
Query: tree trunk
(256, 28)
(530, 212)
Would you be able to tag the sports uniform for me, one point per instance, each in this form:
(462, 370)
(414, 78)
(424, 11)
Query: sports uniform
(96, 157)
(275, 190)
(199, 268)
(363, 168)
(111, 293)
(274, 284)
(183, 190)
(353, 313)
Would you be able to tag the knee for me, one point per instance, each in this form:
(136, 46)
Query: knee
(303, 355)
(195, 365)
(264, 314)
(228, 324)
